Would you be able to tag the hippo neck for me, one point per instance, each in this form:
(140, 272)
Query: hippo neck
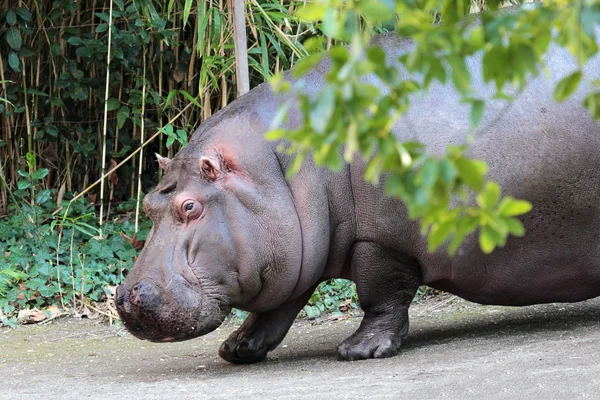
(325, 208)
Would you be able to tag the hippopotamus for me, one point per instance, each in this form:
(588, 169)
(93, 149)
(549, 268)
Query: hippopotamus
(231, 229)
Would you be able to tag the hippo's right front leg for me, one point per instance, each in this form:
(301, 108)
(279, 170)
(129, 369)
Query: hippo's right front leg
(262, 332)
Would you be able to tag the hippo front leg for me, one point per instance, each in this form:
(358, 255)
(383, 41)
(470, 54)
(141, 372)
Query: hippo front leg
(386, 285)
(262, 332)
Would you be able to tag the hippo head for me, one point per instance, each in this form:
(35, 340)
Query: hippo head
(225, 234)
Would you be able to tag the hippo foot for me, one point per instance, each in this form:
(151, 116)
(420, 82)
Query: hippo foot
(365, 345)
(241, 348)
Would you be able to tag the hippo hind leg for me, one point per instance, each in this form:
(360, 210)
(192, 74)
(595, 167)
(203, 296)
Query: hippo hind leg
(386, 285)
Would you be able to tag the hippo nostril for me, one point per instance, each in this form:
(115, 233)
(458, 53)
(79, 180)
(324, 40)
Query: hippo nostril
(143, 293)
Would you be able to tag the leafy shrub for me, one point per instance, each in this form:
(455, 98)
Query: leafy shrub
(62, 261)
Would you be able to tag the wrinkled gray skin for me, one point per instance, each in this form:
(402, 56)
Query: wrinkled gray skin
(230, 231)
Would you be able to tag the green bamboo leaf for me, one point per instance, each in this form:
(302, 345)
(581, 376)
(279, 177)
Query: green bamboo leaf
(190, 98)
(186, 11)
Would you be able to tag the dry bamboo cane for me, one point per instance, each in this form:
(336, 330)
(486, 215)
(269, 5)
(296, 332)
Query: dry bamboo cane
(110, 21)
(241, 47)
(139, 185)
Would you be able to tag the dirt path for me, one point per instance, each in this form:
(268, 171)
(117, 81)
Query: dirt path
(455, 350)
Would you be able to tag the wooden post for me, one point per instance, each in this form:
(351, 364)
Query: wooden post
(241, 47)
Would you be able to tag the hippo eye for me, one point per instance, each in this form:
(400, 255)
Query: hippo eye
(190, 209)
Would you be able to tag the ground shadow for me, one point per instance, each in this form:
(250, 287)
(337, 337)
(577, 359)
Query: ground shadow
(530, 320)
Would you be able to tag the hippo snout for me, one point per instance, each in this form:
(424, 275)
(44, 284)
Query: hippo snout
(166, 313)
(143, 298)
(139, 308)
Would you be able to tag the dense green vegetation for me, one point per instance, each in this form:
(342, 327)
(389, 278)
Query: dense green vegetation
(53, 75)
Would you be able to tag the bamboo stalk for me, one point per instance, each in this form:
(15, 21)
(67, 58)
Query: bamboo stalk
(105, 116)
(139, 188)
(241, 48)
(9, 141)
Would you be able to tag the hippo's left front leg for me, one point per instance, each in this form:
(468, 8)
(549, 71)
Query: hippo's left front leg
(262, 332)
(386, 286)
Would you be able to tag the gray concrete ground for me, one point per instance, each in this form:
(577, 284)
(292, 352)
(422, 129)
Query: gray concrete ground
(455, 350)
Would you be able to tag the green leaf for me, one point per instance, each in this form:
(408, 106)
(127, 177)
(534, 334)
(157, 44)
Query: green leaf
(567, 86)
(461, 77)
(306, 64)
(170, 98)
(447, 172)
(23, 173)
(75, 41)
(320, 114)
(509, 207)
(312, 12)
(472, 172)
(477, 108)
(465, 226)
(37, 92)
(275, 134)
(40, 173)
(592, 103)
(22, 185)
(23, 13)
(186, 11)
(489, 197)
(14, 39)
(515, 227)
(11, 17)
(122, 116)
(429, 173)
(13, 61)
(55, 48)
(435, 71)
(376, 11)
(439, 233)
(113, 104)
(101, 28)
(190, 98)
(486, 240)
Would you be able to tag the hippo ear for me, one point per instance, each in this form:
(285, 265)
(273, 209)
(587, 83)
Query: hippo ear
(163, 162)
(211, 168)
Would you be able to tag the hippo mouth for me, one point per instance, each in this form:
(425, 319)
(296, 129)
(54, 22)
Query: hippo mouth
(180, 311)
